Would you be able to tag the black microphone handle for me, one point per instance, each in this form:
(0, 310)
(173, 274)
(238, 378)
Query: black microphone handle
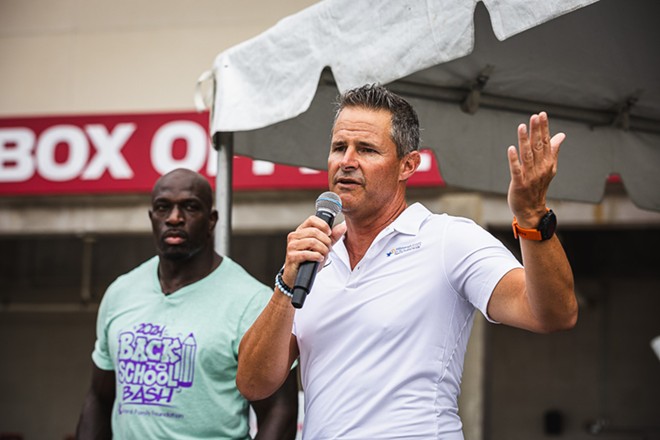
(306, 275)
(307, 271)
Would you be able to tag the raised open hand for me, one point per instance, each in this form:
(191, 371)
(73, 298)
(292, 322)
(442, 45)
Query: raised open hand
(532, 172)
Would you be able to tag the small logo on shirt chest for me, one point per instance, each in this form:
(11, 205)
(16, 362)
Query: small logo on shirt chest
(403, 249)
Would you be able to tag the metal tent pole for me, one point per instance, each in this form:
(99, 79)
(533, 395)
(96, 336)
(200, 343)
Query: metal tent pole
(224, 144)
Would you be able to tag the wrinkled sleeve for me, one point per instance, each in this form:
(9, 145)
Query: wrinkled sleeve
(101, 354)
(251, 312)
(476, 261)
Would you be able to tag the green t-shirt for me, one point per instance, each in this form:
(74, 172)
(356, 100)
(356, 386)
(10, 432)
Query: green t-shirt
(175, 356)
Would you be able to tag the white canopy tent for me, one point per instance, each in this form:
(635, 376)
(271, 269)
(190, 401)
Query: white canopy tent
(473, 71)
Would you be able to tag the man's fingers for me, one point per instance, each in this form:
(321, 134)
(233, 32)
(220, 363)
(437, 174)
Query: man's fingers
(526, 154)
(538, 140)
(337, 232)
(514, 163)
(544, 126)
(556, 142)
(311, 241)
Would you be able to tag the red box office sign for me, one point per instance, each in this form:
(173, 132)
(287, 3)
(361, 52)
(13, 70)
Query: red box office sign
(126, 153)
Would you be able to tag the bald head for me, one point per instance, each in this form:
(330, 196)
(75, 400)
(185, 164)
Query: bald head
(183, 179)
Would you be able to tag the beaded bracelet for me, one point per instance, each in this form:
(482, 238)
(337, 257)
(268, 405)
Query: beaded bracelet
(281, 285)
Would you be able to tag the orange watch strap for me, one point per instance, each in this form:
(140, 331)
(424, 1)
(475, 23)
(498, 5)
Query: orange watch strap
(527, 234)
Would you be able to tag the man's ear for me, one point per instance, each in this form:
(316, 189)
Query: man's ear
(409, 165)
(213, 220)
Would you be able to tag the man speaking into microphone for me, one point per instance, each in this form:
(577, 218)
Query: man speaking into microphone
(328, 205)
(382, 334)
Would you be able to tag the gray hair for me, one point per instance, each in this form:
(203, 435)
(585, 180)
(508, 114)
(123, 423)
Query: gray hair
(405, 124)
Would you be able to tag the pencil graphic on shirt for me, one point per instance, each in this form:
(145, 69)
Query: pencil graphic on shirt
(188, 361)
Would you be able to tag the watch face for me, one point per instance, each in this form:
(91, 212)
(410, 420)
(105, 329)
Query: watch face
(548, 225)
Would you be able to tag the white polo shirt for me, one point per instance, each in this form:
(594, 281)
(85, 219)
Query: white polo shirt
(382, 345)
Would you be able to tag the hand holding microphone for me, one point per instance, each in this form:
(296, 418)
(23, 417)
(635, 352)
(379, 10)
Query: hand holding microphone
(328, 205)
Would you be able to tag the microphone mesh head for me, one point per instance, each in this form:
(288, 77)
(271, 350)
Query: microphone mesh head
(329, 201)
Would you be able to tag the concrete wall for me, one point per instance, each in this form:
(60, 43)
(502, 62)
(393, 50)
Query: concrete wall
(91, 56)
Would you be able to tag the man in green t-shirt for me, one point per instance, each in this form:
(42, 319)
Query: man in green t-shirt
(168, 333)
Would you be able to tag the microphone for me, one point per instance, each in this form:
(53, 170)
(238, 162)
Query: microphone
(328, 205)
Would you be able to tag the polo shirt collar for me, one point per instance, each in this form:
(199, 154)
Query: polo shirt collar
(409, 223)
(410, 220)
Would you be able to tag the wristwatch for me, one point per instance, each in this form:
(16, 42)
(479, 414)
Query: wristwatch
(543, 231)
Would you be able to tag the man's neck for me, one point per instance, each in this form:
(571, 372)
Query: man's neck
(175, 274)
(360, 233)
